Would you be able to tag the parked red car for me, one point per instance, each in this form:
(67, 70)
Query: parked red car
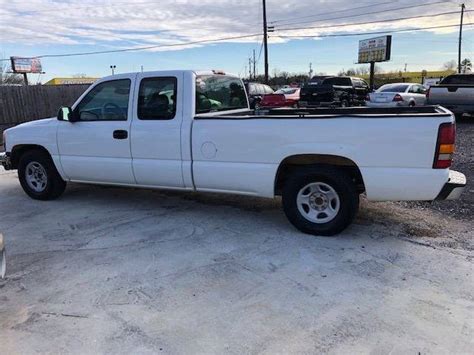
(286, 97)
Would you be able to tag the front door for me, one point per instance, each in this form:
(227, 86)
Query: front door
(96, 148)
(156, 130)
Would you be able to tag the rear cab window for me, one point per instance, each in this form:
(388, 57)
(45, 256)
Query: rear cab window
(467, 79)
(338, 81)
(219, 93)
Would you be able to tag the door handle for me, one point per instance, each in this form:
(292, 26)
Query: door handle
(120, 134)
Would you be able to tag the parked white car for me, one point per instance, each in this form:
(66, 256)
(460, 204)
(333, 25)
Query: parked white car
(165, 130)
(398, 94)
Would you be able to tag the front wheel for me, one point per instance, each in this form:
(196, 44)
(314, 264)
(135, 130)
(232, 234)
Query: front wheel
(320, 200)
(39, 177)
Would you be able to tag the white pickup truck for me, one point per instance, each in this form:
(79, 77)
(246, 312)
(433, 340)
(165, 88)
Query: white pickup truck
(188, 130)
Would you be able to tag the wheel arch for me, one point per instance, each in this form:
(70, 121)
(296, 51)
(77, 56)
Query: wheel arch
(20, 149)
(293, 162)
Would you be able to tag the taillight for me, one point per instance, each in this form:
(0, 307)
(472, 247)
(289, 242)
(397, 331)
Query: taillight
(397, 98)
(445, 146)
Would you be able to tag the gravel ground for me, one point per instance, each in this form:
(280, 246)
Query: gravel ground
(119, 271)
(464, 162)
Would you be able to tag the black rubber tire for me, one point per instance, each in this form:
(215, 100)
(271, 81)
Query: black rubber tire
(339, 180)
(55, 185)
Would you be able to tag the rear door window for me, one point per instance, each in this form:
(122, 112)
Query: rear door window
(157, 98)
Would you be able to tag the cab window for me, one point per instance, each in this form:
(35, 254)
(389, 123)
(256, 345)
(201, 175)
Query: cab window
(219, 93)
(107, 101)
(157, 98)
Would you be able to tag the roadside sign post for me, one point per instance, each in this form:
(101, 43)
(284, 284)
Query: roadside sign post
(372, 76)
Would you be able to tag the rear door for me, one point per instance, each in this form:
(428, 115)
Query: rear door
(97, 147)
(156, 130)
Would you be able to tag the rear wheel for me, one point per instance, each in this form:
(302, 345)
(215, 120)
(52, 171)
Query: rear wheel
(320, 200)
(39, 177)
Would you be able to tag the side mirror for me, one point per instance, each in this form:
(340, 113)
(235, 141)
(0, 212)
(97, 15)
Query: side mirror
(66, 114)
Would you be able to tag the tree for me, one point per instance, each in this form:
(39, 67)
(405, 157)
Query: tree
(8, 78)
(451, 65)
(466, 66)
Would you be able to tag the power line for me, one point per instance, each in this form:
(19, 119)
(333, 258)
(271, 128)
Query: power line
(140, 48)
(374, 33)
(331, 12)
(372, 22)
(370, 13)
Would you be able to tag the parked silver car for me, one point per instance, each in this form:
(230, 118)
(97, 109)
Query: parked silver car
(398, 94)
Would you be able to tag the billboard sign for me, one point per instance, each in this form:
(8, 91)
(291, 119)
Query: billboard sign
(376, 49)
(26, 65)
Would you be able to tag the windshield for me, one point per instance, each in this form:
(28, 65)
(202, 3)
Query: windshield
(393, 88)
(219, 93)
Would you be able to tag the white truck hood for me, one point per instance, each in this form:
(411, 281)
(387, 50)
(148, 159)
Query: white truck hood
(40, 132)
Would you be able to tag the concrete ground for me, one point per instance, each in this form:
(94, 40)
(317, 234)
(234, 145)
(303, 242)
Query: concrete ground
(116, 271)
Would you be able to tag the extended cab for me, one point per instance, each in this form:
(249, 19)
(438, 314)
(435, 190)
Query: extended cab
(188, 130)
(455, 92)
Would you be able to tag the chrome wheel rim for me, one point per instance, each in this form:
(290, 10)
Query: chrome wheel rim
(318, 202)
(36, 177)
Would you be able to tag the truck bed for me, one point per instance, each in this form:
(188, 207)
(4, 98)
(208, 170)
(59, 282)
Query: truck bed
(394, 148)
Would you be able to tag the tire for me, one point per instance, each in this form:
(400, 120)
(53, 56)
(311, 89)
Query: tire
(412, 104)
(344, 104)
(327, 186)
(38, 176)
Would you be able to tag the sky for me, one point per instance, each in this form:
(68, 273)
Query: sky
(32, 28)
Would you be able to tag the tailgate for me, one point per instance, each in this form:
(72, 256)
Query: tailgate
(451, 95)
(319, 93)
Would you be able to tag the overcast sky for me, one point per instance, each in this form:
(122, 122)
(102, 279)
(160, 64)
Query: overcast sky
(39, 27)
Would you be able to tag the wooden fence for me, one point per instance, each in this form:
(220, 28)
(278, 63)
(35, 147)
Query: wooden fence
(26, 103)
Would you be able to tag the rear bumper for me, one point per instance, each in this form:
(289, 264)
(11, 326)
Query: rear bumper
(5, 161)
(453, 189)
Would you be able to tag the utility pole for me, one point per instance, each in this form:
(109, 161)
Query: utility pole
(463, 7)
(265, 39)
(254, 64)
(250, 68)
